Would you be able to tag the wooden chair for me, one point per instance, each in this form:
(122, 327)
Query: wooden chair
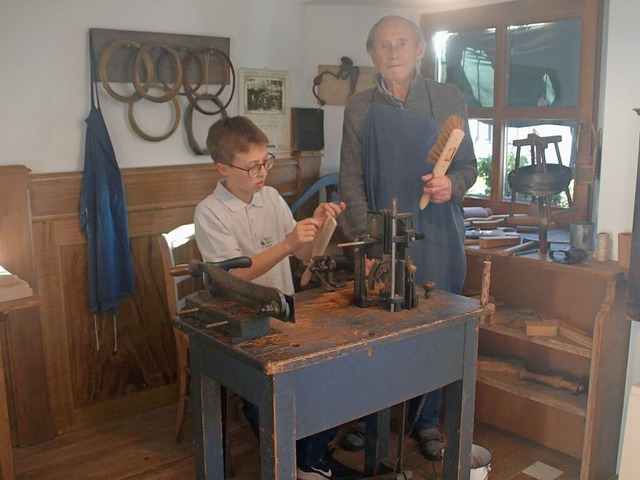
(177, 288)
(175, 292)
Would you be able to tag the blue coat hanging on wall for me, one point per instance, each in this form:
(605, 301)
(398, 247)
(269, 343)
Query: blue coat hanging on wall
(103, 214)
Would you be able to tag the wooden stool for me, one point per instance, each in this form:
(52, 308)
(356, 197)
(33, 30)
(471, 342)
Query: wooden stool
(540, 180)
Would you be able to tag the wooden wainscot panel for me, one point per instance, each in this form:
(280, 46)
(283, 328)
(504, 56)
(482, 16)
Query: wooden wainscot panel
(88, 386)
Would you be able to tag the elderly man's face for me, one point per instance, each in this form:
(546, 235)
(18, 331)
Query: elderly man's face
(395, 51)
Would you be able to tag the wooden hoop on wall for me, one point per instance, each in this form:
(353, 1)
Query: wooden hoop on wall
(159, 138)
(160, 67)
(188, 126)
(192, 95)
(102, 70)
(143, 89)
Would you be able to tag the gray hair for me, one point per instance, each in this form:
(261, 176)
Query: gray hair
(417, 33)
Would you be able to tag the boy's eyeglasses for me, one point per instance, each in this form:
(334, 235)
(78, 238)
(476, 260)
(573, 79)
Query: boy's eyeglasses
(255, 170)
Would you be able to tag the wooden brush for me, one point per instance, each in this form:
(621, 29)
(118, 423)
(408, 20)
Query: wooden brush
(451, 135)
(322, 242)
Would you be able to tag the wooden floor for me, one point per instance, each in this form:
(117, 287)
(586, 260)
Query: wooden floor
(142, 447)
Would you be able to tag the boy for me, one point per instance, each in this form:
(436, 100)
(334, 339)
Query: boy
(243, 216)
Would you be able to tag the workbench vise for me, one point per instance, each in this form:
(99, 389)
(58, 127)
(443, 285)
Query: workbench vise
(388, 241)
(242, 308)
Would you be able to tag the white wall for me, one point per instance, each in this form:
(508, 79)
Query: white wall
(620, 133)
(45, 92)
(331, 33)
(44, 81)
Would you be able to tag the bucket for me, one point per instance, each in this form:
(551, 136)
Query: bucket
(480, 463)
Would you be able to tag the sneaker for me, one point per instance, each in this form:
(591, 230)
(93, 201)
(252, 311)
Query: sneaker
(431, 443)
(327, 468)
(354, 438)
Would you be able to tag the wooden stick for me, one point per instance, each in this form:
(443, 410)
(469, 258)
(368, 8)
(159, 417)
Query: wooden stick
(486, 283)
(576, 334)
(516, 366)
(553, 381)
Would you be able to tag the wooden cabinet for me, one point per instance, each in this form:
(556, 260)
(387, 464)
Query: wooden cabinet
(6, 452)
(20, 333)
(589, 297)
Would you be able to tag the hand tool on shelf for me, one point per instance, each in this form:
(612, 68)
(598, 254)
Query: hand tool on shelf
(517, 367)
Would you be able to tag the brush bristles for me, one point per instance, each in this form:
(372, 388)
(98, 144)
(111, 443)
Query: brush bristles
(453, 122)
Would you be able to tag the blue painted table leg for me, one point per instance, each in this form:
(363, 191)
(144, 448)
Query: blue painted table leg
(207, 420)
(376, 448)
(278, 414)
(459, 410)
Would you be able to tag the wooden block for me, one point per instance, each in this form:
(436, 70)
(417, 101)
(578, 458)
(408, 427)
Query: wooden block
(490, 242)
(488, 223)
(541, 328)
(576, 334)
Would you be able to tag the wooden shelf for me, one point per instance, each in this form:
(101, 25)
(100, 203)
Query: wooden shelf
(558, 342)
(558, 399)
(589, 267)
(586, 298)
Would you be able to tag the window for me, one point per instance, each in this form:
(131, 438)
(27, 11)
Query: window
(524, 67)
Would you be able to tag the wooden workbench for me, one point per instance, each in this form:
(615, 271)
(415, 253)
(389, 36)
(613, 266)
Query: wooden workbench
(338, 362)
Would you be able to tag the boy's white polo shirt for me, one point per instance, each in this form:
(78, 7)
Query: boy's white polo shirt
(226, 227)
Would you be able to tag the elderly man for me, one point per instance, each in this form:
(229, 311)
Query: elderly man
(387, 134)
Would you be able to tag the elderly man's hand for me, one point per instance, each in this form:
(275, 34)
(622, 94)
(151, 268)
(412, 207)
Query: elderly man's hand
(438, 187)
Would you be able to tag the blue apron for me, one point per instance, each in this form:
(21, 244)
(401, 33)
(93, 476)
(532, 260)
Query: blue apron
(395, 146)
(103, 213)
(103, 216)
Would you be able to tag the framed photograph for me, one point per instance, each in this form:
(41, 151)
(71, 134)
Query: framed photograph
(264, 98)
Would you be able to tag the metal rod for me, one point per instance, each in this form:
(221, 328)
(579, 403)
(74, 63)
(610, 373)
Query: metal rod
(352, 244)
(394, 231)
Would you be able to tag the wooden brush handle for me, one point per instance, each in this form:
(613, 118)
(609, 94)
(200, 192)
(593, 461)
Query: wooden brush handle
(444, 160)
(553, 381)
(322, 242)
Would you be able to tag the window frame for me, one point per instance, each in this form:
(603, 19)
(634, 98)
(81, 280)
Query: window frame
(500, 16)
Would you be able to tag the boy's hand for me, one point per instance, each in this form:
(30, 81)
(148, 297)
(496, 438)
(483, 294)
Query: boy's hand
(327, 209)
(304, 233)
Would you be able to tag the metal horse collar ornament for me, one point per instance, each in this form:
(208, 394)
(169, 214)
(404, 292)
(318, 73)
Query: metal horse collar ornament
(346, 71)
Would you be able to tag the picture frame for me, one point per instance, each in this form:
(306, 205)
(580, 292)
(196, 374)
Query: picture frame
(264, 98)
